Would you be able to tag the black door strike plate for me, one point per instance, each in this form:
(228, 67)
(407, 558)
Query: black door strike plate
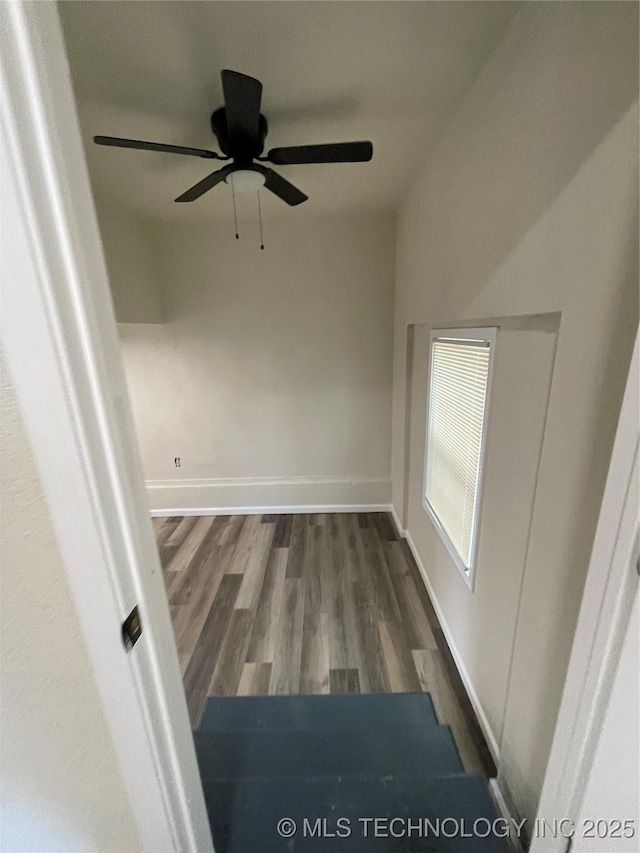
(131, 629)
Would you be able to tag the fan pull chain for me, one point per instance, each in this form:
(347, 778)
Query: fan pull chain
(235, 212)
(260, 220)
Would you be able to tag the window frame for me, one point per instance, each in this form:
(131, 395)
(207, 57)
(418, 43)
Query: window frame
(478, 333)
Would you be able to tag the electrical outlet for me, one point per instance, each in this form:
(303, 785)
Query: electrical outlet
(176, 461)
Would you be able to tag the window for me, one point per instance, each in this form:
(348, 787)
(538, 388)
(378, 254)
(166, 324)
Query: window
(460, 371)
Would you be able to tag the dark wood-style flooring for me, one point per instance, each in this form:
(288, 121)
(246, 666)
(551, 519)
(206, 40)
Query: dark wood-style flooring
(288, 604)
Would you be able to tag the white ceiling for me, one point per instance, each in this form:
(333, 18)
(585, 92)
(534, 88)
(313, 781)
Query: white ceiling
(392, 72)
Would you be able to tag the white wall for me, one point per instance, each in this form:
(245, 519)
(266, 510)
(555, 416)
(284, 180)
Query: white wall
(482, 625)
(131, 264)
(271, 375)
(529, 206)
(61, 788)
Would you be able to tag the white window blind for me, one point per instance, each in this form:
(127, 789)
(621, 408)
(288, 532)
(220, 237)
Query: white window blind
(455, 432)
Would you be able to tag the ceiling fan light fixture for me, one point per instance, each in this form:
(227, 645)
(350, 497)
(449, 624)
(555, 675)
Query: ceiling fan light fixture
(245, 180)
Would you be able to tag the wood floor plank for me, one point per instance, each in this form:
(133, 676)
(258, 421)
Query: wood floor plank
(191, 619)
(285, 671)
(255, 679)
(159, 528)
(264, 634)
(364, 581)
(262, 679)
(245, 545)
(382, 585)
(165, 530)
(414, 617)
(166, 553)
(372, 572)
(434, 680)
(337, 597)
(188, 583)
(383, 523)
(354, 655)
(247, 679)
(192, 541)
(420, 586)
(464, 703)
(202, 664)
(314, 663)
(297, 544)
(181, 530)
(372, 670)
(317, 568)
(254, 568)
(344, 528)
(231, 658)
(344, 681)
(399, 663)
(282, 536)
(170, 580)
(233, 530)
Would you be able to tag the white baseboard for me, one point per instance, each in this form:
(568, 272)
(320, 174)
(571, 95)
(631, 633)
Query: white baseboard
(492, 743)
(504, 811)
(399, 530)
(269, 494)
(270, 510)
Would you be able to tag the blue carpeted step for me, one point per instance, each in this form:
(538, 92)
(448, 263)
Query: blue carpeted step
(318, 712)
(244, 815)
(425, 750)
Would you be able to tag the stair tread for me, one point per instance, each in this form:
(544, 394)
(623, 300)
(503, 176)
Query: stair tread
(317, 712)
(427, 750)
(244, 814)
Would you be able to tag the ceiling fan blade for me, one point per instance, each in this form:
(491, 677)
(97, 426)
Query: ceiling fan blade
(117, 142)
(282, 188)
(339, 152)
(242, 97)
(204, 185)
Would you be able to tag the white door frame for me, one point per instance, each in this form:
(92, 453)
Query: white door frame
(609, 593)
(60, 339)
(61, 345)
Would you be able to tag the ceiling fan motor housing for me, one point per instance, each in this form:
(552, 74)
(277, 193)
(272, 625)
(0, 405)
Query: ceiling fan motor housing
(243, 151)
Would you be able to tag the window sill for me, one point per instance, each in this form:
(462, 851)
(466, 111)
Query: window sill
(467, 574)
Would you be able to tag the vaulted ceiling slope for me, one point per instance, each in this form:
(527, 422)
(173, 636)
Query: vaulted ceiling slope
(392, 72)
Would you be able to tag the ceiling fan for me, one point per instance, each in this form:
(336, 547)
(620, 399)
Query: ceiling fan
(241, 130)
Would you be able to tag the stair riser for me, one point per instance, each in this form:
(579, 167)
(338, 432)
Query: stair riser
(453, 806)
(429, 751)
